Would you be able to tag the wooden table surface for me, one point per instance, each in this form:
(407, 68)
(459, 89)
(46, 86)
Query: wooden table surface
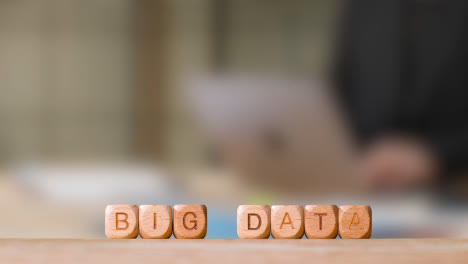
(140, 251)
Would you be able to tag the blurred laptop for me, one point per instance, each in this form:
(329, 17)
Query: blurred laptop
(275, 133)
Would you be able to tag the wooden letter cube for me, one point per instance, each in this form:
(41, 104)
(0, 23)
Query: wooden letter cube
(287, 221)
(155, 221)
(321, 221)
(190, 221)
(355, 221)
(253, 221)
(121, 221)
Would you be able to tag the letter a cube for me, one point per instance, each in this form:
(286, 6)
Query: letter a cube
(253, 221)
(287, 221)
(355, 221)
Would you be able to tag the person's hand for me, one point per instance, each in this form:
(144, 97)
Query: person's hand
(398, 163)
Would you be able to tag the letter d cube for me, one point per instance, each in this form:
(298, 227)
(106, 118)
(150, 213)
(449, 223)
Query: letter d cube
(253, 221)
(121, 221)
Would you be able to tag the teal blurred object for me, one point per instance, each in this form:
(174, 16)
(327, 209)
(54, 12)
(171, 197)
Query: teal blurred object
(221, 223)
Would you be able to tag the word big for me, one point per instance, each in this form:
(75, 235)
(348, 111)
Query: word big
(156, 221)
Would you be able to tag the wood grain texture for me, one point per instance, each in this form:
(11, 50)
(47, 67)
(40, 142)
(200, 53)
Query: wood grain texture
(355, 221)
(207, 251)
(321, 221)
(121, 221)
(155, 221)
(190, 221)
(287, 221)
(253, 221)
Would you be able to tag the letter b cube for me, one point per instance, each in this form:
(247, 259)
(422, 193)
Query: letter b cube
(121, 221)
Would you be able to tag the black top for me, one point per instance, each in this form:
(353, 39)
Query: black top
(403, 67)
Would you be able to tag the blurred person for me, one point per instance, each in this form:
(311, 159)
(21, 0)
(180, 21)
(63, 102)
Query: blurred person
(402, 76)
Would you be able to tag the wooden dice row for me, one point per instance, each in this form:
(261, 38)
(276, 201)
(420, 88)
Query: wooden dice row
(292, 221)
(253, 221)
(156, 221)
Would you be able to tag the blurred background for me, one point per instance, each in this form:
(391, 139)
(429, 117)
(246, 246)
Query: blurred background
(229, 102)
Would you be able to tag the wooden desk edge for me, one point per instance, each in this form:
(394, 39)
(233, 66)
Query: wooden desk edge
(144, 251)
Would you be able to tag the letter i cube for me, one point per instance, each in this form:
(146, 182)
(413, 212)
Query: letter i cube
(155, 221)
